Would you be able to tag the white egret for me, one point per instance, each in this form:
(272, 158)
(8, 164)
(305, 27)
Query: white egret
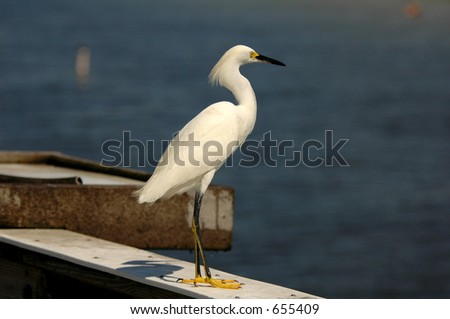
(189, 163)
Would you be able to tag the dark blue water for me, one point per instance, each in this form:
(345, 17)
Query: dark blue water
(377, 228)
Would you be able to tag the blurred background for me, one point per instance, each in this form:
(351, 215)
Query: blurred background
(74, 74)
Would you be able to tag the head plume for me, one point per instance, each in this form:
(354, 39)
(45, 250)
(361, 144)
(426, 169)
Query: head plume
(239, 54)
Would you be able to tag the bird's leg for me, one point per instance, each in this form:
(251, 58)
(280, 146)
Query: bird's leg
(199, 254)
(197, 236)
(198, 250)
(195, 233)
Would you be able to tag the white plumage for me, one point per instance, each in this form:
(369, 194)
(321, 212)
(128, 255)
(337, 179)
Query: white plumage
(203, 145)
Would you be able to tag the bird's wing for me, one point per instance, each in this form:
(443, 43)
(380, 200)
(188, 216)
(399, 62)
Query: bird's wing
(201, 145)
(206, 141)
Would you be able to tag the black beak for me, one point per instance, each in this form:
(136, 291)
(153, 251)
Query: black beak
(266, 59)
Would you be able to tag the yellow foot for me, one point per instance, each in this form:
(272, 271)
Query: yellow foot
(219, 283)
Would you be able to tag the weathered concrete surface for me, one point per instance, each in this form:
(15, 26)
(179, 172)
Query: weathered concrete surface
(110, 212)
(103, 205)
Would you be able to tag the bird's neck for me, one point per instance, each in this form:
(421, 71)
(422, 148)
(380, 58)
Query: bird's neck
(246, 103)
(242, 91)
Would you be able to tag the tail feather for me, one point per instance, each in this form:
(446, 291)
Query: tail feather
(138, 194)
(145, 195)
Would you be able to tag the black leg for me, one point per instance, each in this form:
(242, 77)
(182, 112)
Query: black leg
(200, 255)
(198, 249)
(195, 227)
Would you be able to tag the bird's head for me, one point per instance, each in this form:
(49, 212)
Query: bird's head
(242, 54)
(256, 57)
(235, 57)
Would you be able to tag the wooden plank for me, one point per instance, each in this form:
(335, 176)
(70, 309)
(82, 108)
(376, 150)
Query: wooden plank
(46, 171)
(140, 266)
(29, 274)
(62, 160)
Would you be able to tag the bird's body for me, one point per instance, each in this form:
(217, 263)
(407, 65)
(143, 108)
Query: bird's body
(185, 164)
(203, 145)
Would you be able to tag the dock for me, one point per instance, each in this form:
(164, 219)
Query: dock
(54, 263)
(69, 228)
